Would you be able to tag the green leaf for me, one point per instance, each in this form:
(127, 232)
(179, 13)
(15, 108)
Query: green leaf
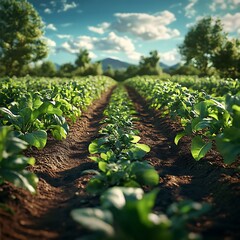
(58, 132)
(199, 148)
(145, 173)
(96, 146)
(95, 219)
(118, 196)
(96, 185)
(37, 138)
(144, 147)
(49, 108)
(113, 197)
(228, 144)
(202, 108)
(178, 137)
(17, 162)
(199, 123)
(102, 166)
(135, 139)
(23, 179)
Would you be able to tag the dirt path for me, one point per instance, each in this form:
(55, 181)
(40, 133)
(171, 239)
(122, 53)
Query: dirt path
(183, 178)
(61, 188)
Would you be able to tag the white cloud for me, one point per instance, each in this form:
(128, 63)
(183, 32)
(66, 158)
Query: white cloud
(50, 43)
(189, 9)
(110, 44)
(146, 26)
(67, 6)
(100, 29)
(51, 27)
(66, 24)
(231, 22)
(48, 10)
(218, 4)
(92, 55)
(198, 18)
(62, 36)
(169, 57)
(224, 4)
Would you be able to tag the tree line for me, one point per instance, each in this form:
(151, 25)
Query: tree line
(206, 50)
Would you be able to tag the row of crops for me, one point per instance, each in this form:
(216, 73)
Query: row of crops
(31, 110)
(209, 120)
(126, 212)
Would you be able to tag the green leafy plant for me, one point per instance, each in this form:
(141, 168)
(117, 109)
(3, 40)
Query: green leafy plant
(13, 164)
(207, 119)
(126, 213)
(32, 122)
(120, 155)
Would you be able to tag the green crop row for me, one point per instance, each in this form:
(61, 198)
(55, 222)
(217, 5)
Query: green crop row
(30, 109)
(126, 212)
(211, 85)
(207, 119)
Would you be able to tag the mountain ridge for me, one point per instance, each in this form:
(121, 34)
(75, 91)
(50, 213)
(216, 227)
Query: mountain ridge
(122, 65)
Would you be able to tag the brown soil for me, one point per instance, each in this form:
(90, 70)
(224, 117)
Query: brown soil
(62, 185)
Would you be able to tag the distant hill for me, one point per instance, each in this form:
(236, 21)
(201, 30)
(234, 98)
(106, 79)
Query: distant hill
(164, 66)
(116, 64)
(121, 65)
(57, 66)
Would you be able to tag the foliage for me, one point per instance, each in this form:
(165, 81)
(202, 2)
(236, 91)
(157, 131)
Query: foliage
(47, 69)
(21, 31)
(30, 108)
(205, 118)
(13, 164)
(83, 59)
(66, 70)
(119, 153)
(187, 69)
(227, 59)
(150, 65)
(32, 118)
(126, 213)
(202, 42)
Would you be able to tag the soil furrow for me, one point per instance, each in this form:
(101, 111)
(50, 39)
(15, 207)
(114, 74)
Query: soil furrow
(183, 178)
(61, 188)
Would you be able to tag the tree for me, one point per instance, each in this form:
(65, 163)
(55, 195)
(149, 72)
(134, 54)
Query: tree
(21, 30)
(84, 66)
(47, 69)
(83, 59)
(94, 69)
(202, 42)
(227, 59)
(66, 70)
(109, 71)
(150, 65)
(186, 70)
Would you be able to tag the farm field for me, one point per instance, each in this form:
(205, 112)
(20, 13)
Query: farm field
(103, 136)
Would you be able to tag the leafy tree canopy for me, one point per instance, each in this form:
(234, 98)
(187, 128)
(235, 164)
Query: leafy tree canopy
(83, 59)
(202, 42)
(21, 30)
(150, 65)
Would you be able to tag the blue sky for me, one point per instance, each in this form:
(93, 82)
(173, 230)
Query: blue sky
(127, 29)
